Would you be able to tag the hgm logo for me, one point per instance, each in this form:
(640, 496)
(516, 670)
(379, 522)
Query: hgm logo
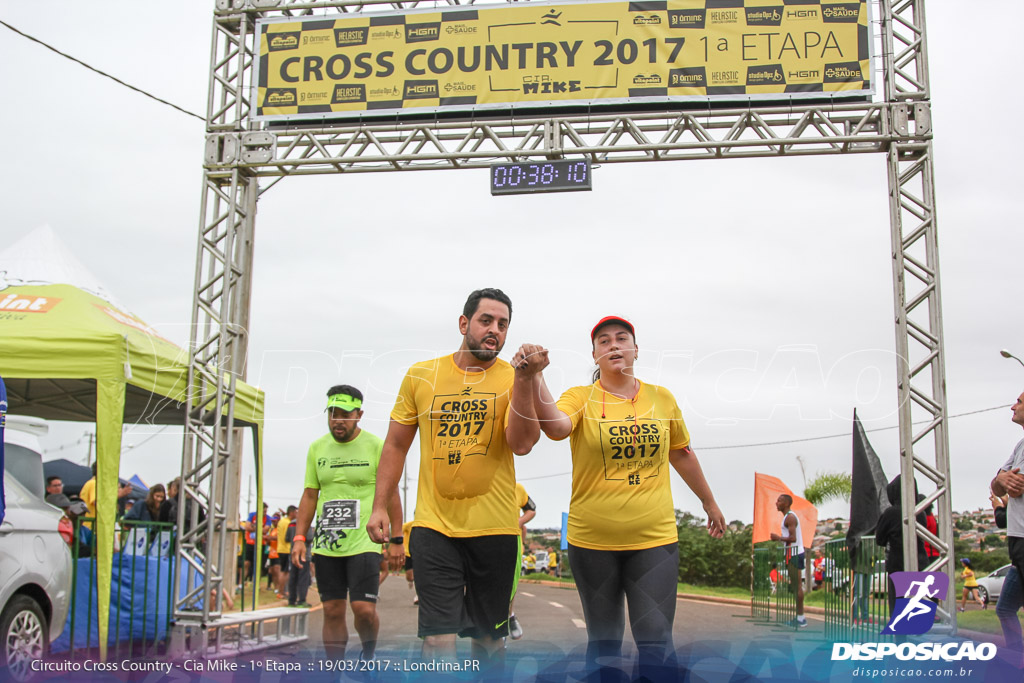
(418, 33)
(419, 90)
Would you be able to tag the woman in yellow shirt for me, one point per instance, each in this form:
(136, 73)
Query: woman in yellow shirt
(623, 541)
(970, 585)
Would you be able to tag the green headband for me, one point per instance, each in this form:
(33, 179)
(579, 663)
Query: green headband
(343, 401)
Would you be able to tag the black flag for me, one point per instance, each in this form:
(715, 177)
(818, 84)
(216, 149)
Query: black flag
(867, 497)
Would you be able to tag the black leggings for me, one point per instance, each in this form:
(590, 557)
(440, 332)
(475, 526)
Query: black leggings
(647, 579)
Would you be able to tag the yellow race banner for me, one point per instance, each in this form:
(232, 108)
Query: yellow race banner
(539, 54)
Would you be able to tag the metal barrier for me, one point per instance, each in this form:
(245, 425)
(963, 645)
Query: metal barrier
(770, 586)
(855, 585)
(141, 594)
(140, 610)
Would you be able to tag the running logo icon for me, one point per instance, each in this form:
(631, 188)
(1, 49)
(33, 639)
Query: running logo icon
(914, 613)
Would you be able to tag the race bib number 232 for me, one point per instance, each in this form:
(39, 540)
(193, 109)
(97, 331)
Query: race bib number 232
(341, 514)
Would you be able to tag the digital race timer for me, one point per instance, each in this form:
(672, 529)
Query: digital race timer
(563, 175)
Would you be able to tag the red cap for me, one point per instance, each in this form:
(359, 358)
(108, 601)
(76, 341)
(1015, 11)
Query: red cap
(612, 320)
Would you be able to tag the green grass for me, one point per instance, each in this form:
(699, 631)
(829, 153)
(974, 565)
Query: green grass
(540, 576)
(815, 598)
(985, 621)
(267, 597)
(716, 591)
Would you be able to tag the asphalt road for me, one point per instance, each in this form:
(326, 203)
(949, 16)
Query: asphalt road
(553, 624)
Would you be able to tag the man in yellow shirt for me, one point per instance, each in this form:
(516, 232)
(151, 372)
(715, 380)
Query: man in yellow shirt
(284, 549)
(88, 496)
(472, 411)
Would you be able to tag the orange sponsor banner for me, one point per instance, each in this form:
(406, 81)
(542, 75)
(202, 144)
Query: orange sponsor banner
(27, 303)
(767, 518)
(129, 320)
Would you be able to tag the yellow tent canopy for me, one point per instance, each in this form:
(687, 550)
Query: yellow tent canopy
(69, 351)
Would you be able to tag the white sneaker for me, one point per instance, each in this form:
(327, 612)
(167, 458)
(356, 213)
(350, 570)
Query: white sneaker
(515, 631)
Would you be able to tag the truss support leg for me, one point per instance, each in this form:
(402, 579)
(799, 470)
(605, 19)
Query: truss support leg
(210, 467)
(924, 456)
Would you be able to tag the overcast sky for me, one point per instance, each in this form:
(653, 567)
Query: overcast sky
(761, 290)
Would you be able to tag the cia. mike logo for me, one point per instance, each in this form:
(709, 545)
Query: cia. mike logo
(914, 612)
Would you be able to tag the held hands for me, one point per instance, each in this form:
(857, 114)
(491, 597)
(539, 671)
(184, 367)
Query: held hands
(997, 501)
(716, 520)
(1012, 481)
(530, 359)
(396, 557)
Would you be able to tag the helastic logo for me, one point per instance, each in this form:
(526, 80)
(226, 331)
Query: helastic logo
(914, 612)
(345, 93)
(344, 37)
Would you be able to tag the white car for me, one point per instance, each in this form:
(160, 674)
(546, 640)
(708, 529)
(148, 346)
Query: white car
(542, 561)
(990, 586)
(22, 459)
(35, 575)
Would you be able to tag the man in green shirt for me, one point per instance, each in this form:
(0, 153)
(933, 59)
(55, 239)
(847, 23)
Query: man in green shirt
(341, 474)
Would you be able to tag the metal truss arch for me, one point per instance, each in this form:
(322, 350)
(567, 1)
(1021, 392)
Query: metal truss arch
(241, 152)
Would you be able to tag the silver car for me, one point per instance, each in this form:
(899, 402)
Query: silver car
(35, 580)
(990, 586)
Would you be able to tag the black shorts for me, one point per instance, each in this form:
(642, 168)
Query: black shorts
(356, 577)
(465, 584)
(283, 561)
(796, 568)
(408, 563)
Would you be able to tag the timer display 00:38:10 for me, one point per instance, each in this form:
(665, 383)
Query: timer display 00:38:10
(562, 175)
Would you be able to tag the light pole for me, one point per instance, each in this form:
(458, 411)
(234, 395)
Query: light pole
(1006, 354)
